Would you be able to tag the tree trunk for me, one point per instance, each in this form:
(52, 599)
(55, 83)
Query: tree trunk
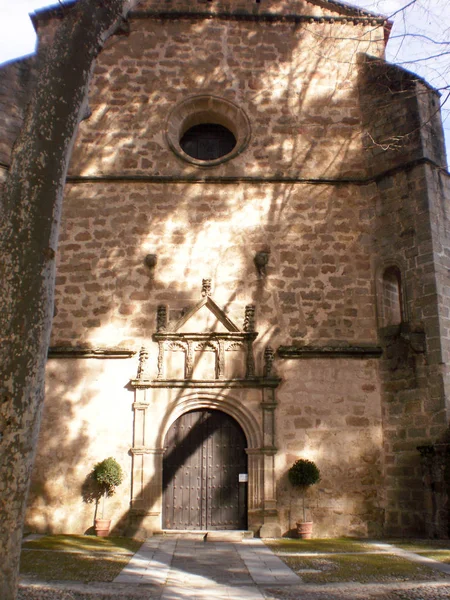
(30, 215)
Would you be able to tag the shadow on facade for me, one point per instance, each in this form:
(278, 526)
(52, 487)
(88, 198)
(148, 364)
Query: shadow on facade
(107, 297)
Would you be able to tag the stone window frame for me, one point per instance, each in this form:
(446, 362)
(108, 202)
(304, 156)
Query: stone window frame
(391, 265)
(207, 109)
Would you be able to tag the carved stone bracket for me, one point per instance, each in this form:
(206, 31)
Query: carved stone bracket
(269, 356)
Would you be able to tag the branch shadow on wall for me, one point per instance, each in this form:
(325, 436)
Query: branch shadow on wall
(107, 290)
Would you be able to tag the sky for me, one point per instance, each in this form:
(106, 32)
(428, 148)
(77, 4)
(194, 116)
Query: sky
(419, 42)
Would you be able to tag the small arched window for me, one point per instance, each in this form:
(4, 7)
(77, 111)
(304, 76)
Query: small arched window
(391, 297)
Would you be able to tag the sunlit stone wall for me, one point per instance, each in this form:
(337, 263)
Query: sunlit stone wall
(300, 190)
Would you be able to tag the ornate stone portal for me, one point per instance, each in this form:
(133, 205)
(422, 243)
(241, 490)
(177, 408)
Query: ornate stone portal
(204, 361)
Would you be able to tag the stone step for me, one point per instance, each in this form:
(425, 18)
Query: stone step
(231, 536)
(223, 535)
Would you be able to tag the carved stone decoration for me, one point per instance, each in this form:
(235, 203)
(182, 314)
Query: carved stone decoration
(161, 318)
(206, 347)
(206, 287)
(176, 346)
(250, 373)
(269, 356)
(143, 363)
(261, 261)
(221, 360)
(160, 360)
(249, 319)
(189, 364)
(233, 346)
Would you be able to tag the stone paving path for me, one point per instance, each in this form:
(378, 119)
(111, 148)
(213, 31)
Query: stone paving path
(177, 568)
(199, 570)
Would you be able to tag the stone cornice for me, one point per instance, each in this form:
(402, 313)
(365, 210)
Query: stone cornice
(257, 382)
(205, 337)
(213, 179)
(359, 19)
(79, 352)
(331, 351)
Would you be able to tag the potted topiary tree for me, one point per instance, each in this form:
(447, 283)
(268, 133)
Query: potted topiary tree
(302, 475)
(108, 475)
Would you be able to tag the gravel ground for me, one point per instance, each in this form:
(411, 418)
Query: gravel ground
(80, 591)
(401, 591)
(425, 591)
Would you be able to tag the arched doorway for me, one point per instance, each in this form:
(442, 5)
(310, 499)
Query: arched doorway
(205, 472)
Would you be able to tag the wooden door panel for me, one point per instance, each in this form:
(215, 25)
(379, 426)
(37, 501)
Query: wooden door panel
(204, 454)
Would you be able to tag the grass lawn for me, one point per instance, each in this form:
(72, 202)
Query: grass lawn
(319, 546)
(435, 549)
(76, 557)
(85, 543)
(333, 565)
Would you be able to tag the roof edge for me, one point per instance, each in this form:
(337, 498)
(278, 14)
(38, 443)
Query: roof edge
(343, 8)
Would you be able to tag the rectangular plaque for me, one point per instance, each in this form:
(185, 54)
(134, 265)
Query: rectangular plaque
(243, 477)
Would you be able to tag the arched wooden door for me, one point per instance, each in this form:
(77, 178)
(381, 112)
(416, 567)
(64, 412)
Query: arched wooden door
(204, 466)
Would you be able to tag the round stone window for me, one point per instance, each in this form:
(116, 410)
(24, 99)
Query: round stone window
(207, 141)
(206, 130)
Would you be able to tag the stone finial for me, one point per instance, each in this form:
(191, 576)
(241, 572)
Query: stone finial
(206, 287)
(269, 356)
(249, 319)
(161, 318)
(143, 360)
(261, 261)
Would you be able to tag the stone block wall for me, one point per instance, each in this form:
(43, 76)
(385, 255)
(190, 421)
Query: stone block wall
(316, 189)
(87, 417)
(329, 412)
(414, 406)
(318, 285)
(295, 83)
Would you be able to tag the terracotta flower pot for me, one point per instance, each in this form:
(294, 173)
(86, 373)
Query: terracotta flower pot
(304, 530)
(102, 527)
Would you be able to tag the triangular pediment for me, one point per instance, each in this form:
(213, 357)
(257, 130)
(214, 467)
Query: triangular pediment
(205, 317)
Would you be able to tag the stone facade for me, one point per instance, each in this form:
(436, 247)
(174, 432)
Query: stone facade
(329, 218)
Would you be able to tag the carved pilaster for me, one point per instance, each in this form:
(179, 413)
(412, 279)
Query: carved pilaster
(189, 365)
(250, 371)
(160, 360)
(147, 481)
(268, 406)
(221, 360)
(256, 479)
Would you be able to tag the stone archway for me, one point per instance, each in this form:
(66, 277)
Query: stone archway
(155, 410)
(205, 472)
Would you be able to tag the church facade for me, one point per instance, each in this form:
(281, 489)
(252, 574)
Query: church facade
(253, 267)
